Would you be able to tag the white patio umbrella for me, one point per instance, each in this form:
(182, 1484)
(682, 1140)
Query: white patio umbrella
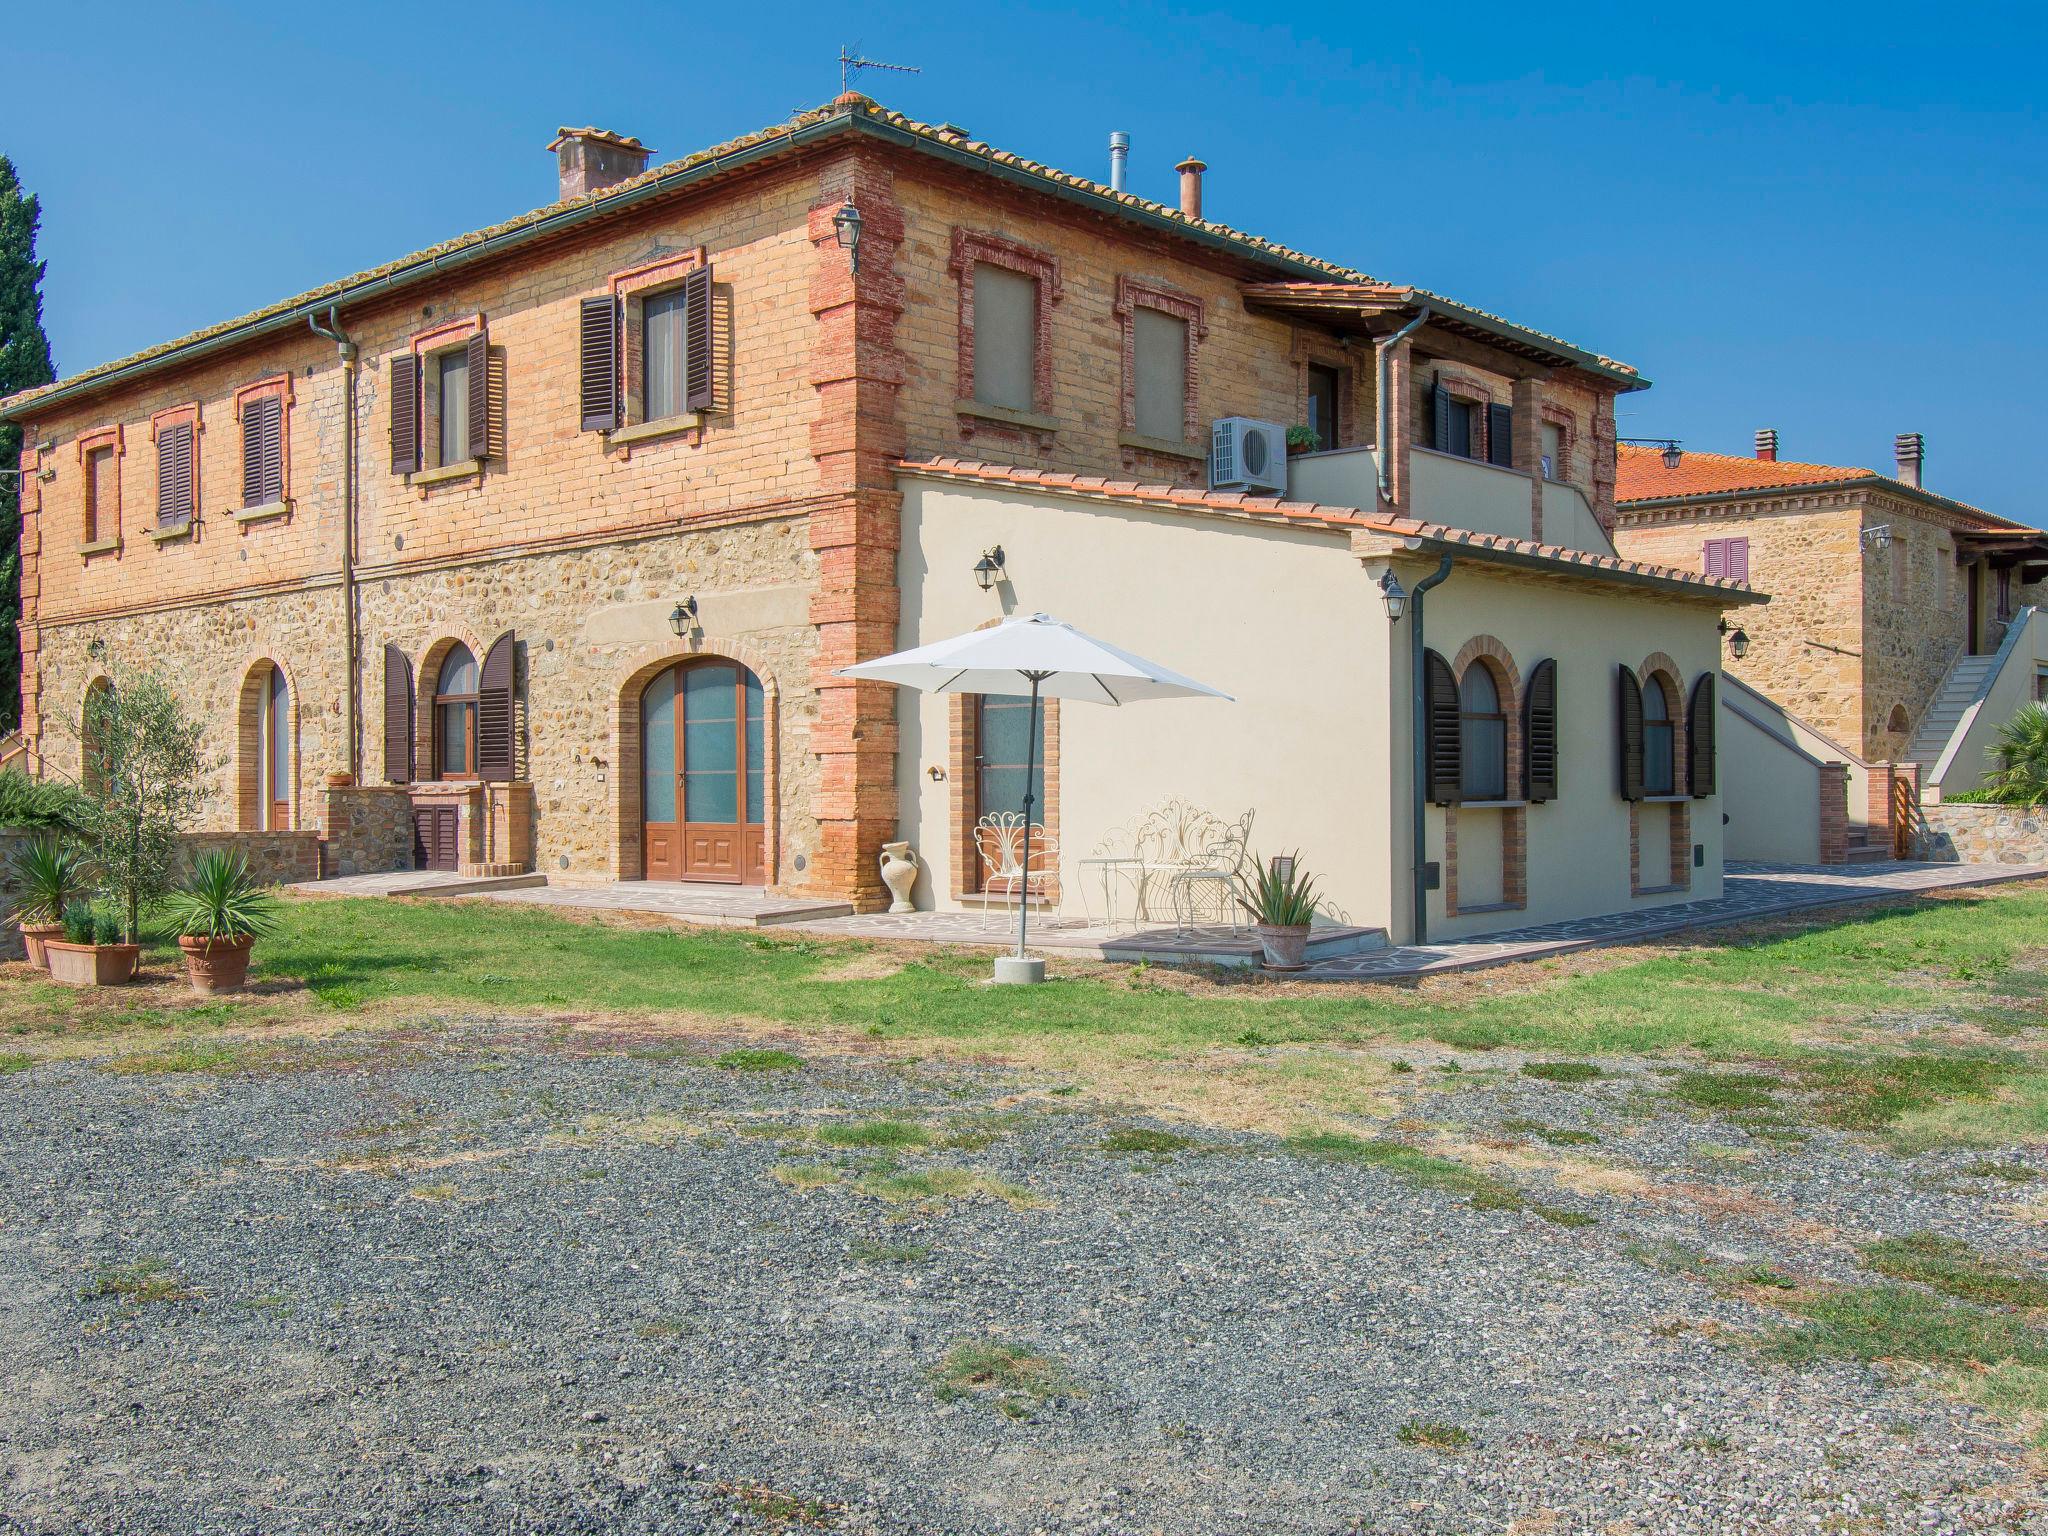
(1054, 660)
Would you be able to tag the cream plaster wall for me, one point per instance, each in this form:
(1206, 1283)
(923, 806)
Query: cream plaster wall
(1771, 790)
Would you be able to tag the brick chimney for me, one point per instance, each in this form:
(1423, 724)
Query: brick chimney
(1191, 186)
(1767, 445)
(592, 158)
(1910, 449)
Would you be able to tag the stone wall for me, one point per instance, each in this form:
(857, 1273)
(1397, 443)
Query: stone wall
(368, 829)
(275, 858)
(1981, 834)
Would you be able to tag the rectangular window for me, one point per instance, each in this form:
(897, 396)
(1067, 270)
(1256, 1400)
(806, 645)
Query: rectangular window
(1005, 338)
(1002, 739)
(1727, 558)
(452, 373)
(262, 450)
(1554, 467)
(102, 516)
(1159, 347)
(1324, 387)
(664, 353)
(1458, 432)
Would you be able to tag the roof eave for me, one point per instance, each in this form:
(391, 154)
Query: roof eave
(1554, 566)
(1807, 487)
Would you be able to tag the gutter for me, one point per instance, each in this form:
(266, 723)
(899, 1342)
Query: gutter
(1384, 424)
(1882, 483)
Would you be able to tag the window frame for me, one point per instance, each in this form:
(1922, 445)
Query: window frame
(427, 347)
(170, 419)
(1470, 723)
(93, 540)
(467, 702)
(1655, 686)
(1132, 295)
(972, 248)
(1477, 397)
(280, 386)
(630, 289)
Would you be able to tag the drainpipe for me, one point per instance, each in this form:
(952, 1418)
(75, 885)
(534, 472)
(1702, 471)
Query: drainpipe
(1418, 731)
(345, 347)
(1380, 349)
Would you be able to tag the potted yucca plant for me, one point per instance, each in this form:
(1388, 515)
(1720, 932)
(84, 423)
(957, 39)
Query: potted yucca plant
(220, 912)
(1281, 898)
(50, 874)
(91, 953)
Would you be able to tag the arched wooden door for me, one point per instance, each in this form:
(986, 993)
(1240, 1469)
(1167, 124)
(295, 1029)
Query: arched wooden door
(703, 790)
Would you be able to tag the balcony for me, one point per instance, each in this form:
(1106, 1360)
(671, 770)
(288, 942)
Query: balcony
(1456, 492)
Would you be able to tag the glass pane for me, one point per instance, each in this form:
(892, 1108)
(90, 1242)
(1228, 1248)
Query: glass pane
(711, 796)
(1655, 705)
(1461, 430)
(1483, 746)
(280, 714)
(658, 749)
(1005, 337)
(711, 744)
(1159, 344)
(455, 720)
(458, 672)
(1657, 759)
(1322, 404)
(454, 407)
(757, 761)
(1476, 691)
(1003, 722)
(661, 355)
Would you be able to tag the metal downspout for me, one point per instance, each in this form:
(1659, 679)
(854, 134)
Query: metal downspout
(1418, 730)
(350, 453)
(1384, 417)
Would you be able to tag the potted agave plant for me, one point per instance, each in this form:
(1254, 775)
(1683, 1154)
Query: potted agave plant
(1281, 898)
(91, 953)
(50, 874)
(220, 912)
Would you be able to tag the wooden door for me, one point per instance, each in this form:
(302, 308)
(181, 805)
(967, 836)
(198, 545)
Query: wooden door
(434, 843)
(702, 774)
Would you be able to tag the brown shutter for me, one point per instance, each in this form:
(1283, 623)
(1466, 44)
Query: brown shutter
(397, 716)
(405, 414)
(494, 712)
(1500, 435)
(262, 451)
(273, 450)
(600, 354)
(174, 475)
(697, 380)
(1629, 731)
(1699, 738)
(478, 356)
(1439, 418)
(1444, 760)
(1539, 734)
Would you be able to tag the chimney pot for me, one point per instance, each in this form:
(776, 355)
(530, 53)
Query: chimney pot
(1767, 445)
(590, 159)
(1910, 449)
(1191, 186)
(1119, 156)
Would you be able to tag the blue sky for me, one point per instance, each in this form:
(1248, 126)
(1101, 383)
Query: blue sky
(1827, 219)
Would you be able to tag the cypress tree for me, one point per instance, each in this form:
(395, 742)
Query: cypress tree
(24, 363)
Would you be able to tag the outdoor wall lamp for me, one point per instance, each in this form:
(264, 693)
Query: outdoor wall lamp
(1880, 537)
(1738, 641)
(1394, 596)
(683, 617)
(1673, 454)
(846, 225)
(988, 570)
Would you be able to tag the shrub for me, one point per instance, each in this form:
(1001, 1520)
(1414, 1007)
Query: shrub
(2021, 777)
(87, 923)
(40, 805)
(50, 874)
(1278, 893)
(221, 901)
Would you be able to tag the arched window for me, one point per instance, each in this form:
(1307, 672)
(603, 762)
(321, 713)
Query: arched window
(263, 791)
(455, 692)
(1660, 755)
(1482, 736)
(92, 732)
(1896, 723)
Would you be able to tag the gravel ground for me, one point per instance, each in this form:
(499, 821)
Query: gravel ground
(493, 1284)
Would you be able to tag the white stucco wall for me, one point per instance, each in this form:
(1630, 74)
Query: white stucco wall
(1771, 788)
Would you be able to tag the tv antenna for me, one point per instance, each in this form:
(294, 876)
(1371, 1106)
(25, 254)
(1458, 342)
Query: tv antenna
(851, 63)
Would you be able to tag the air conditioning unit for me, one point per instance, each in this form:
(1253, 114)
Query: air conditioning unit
(1247, 455)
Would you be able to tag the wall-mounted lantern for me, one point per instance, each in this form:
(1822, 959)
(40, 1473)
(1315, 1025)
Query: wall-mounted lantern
(683, 617)
(1878, 538)
(1673, 454)
(988, 570)
(1394, 595)
(846, 225)
(1738, 640)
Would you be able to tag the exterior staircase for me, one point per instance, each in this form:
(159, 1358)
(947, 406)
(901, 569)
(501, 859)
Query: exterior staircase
(1965, 681)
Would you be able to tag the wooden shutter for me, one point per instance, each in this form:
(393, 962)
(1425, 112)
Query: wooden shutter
(1628, 727)
(494, 712)
(1439, 418)
(1539, 734)
(1700, 719)
(1735, 563)
(477, 354)
(1443, 759)
(697, 379)
(263, 451)
(174, 475)
(1714, 557)
(398, 723)
(405, 414)
(1500, 435)
(599, 350)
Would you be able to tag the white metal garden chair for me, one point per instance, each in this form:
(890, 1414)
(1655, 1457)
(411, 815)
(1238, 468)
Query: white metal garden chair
(1204, 891)
(999, 843)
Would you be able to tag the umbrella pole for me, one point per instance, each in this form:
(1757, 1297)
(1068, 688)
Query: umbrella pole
(1030, 771)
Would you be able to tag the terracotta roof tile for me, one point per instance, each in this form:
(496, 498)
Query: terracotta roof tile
(1237, 503)
(1640, 476)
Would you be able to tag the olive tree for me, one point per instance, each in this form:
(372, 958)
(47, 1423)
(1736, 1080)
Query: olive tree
(145, 767)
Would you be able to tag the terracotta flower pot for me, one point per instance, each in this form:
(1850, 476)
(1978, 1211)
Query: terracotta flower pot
(91, 965)
(35, 936)
(1286, 949)
(214, 966)
(340, 779)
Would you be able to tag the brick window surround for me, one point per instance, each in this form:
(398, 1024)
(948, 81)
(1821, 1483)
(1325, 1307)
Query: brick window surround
(250, 745)
(1472, 390)
(164, 421)
(99, 526)
(964, 863)
(1133, 294)
(279, 385)
(1488, 652)
(427, 347)
(632, 288)
(1659, 670)
(1311, 349)
(971, 248)
(1567, 426)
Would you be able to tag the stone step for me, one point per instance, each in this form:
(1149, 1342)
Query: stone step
(1160, 946)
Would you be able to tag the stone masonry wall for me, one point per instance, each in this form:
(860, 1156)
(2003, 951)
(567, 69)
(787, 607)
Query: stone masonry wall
(1982, 834)
(368, 829)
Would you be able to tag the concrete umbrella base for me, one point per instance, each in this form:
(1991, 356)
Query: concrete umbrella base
(1019, 970)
